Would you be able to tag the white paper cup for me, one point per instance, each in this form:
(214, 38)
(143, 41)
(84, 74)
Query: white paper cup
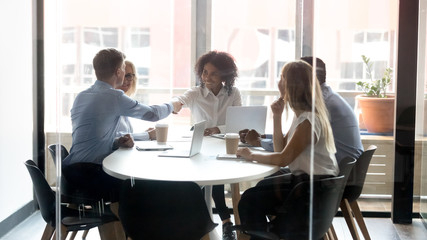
(162, 133)
(231, 142)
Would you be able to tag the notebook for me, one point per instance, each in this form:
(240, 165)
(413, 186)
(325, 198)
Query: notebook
(151, 146)
(196, 144)
(242, 117)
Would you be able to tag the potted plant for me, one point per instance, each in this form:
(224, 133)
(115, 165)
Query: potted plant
(377, 107)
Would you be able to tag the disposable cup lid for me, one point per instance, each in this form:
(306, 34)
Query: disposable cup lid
(232, 135)
(161, 125)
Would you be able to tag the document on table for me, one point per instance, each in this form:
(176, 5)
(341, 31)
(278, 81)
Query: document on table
(225, 156)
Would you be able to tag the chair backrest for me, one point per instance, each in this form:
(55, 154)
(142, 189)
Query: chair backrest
(44, 194)
(53, 149)
(346, 166)
(293, 221)
(357, 177)
(71, 193)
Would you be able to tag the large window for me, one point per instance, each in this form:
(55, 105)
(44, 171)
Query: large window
(154, 35)
(261, 35)
(358, 28)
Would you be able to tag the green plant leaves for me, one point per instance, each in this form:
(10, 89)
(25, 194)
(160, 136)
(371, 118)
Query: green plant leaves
(375, 88)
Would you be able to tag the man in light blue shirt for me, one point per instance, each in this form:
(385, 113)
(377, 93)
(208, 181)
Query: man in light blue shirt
(343, 121)
(95, 115)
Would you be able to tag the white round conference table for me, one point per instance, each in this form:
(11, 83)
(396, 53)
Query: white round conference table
(203, 168)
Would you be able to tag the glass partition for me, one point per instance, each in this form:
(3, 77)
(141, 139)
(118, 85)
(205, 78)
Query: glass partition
(420, 189)
(341, 38)
(262, 36)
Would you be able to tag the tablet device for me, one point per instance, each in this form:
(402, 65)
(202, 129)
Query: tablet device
(151, 146)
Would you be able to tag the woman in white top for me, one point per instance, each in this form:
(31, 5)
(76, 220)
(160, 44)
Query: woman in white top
(129, 87)
(216, 72)
(294, 149)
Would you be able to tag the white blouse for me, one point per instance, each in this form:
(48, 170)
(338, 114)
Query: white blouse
(325, 162)
(125, 127)
(204, 105)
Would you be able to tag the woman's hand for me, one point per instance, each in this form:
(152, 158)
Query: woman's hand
(210, 131)
(245, 152)
(277, 106)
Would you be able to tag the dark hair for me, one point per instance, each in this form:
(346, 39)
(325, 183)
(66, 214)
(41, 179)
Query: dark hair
(106, 62)
(225, 64)
(320, 68)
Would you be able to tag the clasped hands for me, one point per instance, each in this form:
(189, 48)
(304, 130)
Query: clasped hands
(252, 137)
(125, 141)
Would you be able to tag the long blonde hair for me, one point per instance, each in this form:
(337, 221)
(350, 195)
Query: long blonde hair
(297, 85)
(132, 88)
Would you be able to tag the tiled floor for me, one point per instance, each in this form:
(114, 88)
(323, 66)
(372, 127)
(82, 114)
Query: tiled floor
(379, 228)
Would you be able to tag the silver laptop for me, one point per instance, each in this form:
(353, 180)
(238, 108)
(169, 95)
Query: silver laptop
(196, 144)
(244, 117)
(250, 117)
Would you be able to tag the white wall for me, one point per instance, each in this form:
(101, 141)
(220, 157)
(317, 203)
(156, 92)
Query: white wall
(16, 116)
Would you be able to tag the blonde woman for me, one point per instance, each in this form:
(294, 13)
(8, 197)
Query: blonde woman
(293, 149)
(129, 88)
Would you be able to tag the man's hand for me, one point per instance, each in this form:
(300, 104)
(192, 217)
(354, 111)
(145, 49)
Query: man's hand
(152, 133)
(126, 141)
(242, 134)
(253, 138)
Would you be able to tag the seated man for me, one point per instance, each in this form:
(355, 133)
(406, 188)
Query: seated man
(95, 115)
(344, 124)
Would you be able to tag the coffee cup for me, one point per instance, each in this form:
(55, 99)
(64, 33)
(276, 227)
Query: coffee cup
(162, 133)
(231, 142)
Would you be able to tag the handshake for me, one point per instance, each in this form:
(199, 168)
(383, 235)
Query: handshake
(177, 106)
(251, 137)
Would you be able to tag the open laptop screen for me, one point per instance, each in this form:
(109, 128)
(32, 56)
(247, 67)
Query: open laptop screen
(250, 117)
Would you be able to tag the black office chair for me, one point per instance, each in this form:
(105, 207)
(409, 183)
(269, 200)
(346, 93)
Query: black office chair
(352, 191)
(77, 197)
(73, 194)
(53, 148)
(72, 220)
(164, 210)
(346, 166)
(292, 220)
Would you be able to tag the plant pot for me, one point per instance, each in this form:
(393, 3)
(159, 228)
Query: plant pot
(377, 113)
